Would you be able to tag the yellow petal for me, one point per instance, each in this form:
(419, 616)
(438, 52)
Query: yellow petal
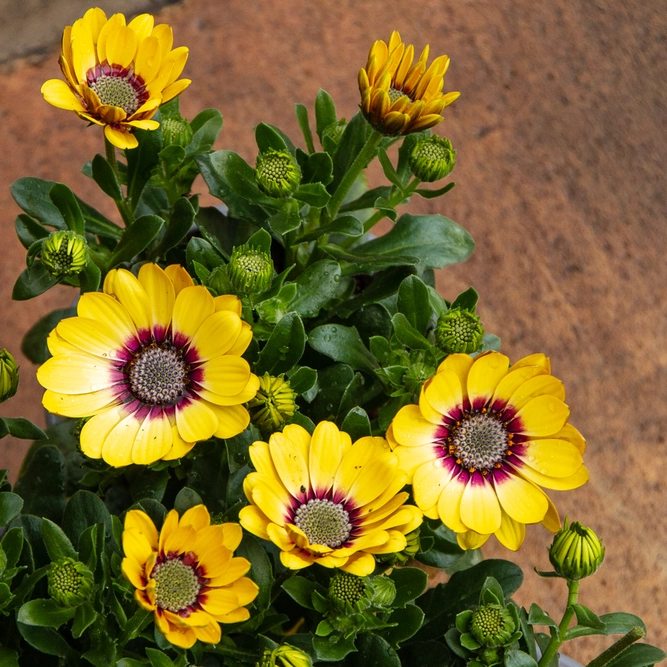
(225, 375)
(96, 429)
(165, 37)
(84, 55)
(444, 393)
(117, 448)
(373, 478)
(569, 433)
(246, 394)
(95, 18)
(192, 307)
(239, 615)
(93, 337)
(136, 545)
(121, 46)
(232, 419)
(108, 311)
(459, 364)
(138, 520)
(450, 503)
(174, 89)
(210, 634)
(325, 456)
(511, 533)
(179, 447)
(133, 572)
(553, 458)
(179, 277)
(216, 334)
(360, 455)
(160, 292)
(143, 124)
(195, 420)
(218, 601)
(551, 519)
(471, 540)
(59, 94)
(360, 564)
(153, 440)
(236, 569)
(244, 339)
(524, 502)
(540, 360)
(556, 483)
(178, 57)
(480, 510)
(197, 517)
(541, 385)
(76, 374)
(512, 381)
(542, 416)
(120, 138)
(169, 526)
(411, 429)
(231, 535)
(428, 482)
(149, 58)
(114, 22)
(254, 521)
(411, 458)
(111, 114)
(142, 26)
(79, 405)
(485, 374)
(291, 465)
(123, 285)
(296, 559)
(270, 504)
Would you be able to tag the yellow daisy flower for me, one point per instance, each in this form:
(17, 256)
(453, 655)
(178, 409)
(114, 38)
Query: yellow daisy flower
(322, 499)
(117, 75)
(399, 97)
(483, 440)
(188, 576)
(155, 362)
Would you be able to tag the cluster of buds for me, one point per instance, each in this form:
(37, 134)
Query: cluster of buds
(274, 403)
(9, 375)
(277, 173)
(64, 253)
(250, 270)
(176, 131)
(70, 582)
(576, 552)
(459, 330)
(432, 158)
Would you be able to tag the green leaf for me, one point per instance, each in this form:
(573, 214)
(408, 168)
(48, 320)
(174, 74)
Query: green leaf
(29, 230)
(373, 651)
(274, 309)
(466, 300)
(427, 654)
(42, 482)
(325, 112)
(105, 177)
(32, 195)
(260, 570)
(140, 163)
(413, 302)
(84, 617)
(238, 176)
(445, 551)
(44, 613)
(180, 222)
(303, 379)
(10, 507)
(368, 199)
(353, 139)
(185, 499)
(287, 219)
(314, 194)
(158, 659)
(8, 658)
(432, 194)
(20, 428)
(347, 225)
(301, 590)
(410, 583)
(34, 280)
(47, 640)
(586, 617)
(617, 623)
(316, 287)
(389, 170)
(206, 126)
(356, 424)
(383, 285)
(408, 335)
(318, 168)
(84, 509)
(57, 543)
(302, 118)
(90, 277)
(490, 342)
(261, 239)
(12, 545)
(434, 239)
(408, 620)
(515, 658)
(367, 263)
(332, 382)
(98, 224)
(638, 655)
(333, 648)
(267, 137)
(537, 616)
(342, 344)
(285, 346)
(136, 238)
(201, 251)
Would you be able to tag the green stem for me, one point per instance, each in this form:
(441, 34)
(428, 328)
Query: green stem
(121, 204)
(366, 154)
(558, 637)
(618, 647)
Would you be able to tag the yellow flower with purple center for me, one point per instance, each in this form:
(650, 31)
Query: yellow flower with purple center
(155, 362)
(398, 95)
(322, 499)
(188, 574)
(483, 440)
(117, 74)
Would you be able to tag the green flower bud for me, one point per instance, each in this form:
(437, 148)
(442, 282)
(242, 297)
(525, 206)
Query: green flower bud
(277, 173)
(402, 557)
(334, 131)
(384, 591)
(459, 330)
(285, 656)
(70, 582)
(273, 404)
(176, 131)
(348, 593)
(576, 552)
(9, 375)
(491, 626)
(64, 253)
(250, 270)
(432, 158)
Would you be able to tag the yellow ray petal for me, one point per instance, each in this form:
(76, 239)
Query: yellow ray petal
(511, 533)
(296, 559)
(142, 26)
(540, 360)
(79, 405)
(552, 457)
(136, 545)
(93, 337)
(195, 421)
(270, 503)
(179, 56)
(153, 440)
(120, 138)
(225, 375)
(175, 89)
(59, 94)
(428, 482)
(237, 568)
(96, 429)
(179, 277)
(291, 465)
(513, 380)
(471, 540)
(160, 292)
(76, 374)
(360, 455)
(541, 385)
(411, 429)
(116, 21)
(254, 521)
(485, 374)
(523, 501)
(444, 393)
(165, 37)
(556, 483)
(411, 458)
(325, 456)
(210, 634)
(107, 310)
(449, 505)
(192, 307)
(117, 448)
(84, 55)
(216, 334)
(168, 527)
(138, 520)
(232, 419)
(95, 18)
(149, 59)
(361, 564)
(480, 510)
(121, 46)
(542, 416)
(123, 285)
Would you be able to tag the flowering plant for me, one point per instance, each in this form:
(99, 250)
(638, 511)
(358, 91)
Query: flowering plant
(269, 424)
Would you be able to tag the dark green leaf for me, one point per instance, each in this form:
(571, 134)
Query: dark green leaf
(141, 161)
(32, 195)
(44, 613)
(275, 308)
(158, 659)
(410, 583)
(201, 251)
(333, 648)
(206, 126)
(98, 224)
(432, 194)
(314, 194)
(42, 482)
(260, 571)
(21, 428)
(332, 382)
(617, 623)
(434, 239)
(136, 238)
(346, 225)
(490, 342)
(373, 651)
(287, 219)
(514, 658)
(586, 617)
(285, 346)
(84, 509)
(356, 424)
(185, 499)
(84, 617)
(368, 199)
(303, 421)
(466, 300)
(383, 285)
(10, 507)
(57, 543)
(261, 239)
(408, 621)
(266, 138)
(353, 139)
(316, 287)
(8, 658)
(302, 118)
(413, 302)
(408, 335)
(638, 655)
(47, 640)
(90, 277)
(29, 230)
(34, 280)
(427, 654)
(445, 551)
(301, 590)
(12, 545)
(220, 231)
(34, 343)
(318, 168)
(367, 263)
(238, 447)
(342, 344)
(105, 177)
(180, 222)
(325, 111)
(303, 379)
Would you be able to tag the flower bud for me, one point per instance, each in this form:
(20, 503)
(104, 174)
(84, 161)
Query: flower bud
(250, 270)
(285, 656)
(277, 173)
(273, 404)
(9, 375)
(576, 552)
(384, 591)
(64, 253)
(70, 582)
(348, 592)
(432, 158)
(459, 330)
(176, 131)
(491, 625)
(402, 557)
(333, 132)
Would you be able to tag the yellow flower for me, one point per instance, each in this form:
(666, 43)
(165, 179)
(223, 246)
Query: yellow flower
(483, 439)
(399, 97)
(322, 499)
(155, 362)
(117, 75)
(188, 576)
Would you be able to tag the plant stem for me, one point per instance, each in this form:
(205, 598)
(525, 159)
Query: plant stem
(558, 636)
(121, 204)
(366, 154)
(618, 647)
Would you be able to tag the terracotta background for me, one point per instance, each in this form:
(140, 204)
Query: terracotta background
(561, 136)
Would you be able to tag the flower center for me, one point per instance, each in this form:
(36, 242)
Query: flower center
(395, 93)
(65, 578)
(491, 625)
(345, 587)
(431, 150)
(276, 168)
(479, 442)
(324, 522)
(253, 261)
(176, 585)
(118, 87)
(158, 375)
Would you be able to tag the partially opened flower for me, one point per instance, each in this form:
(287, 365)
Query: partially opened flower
(155, 362)
(117, 74)
(483, 440)
(188, 575)
(322, 499)
(398, 95)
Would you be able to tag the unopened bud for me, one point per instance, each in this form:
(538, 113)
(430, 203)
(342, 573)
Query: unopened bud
(432, 158)
(70, 582)
(459, 330)
(285, 656)
(277, 173)
(273, 404)
(9, 375)
(576, 552)
(250, 270)
(176, 131)
(64, 253)
(348, 593)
